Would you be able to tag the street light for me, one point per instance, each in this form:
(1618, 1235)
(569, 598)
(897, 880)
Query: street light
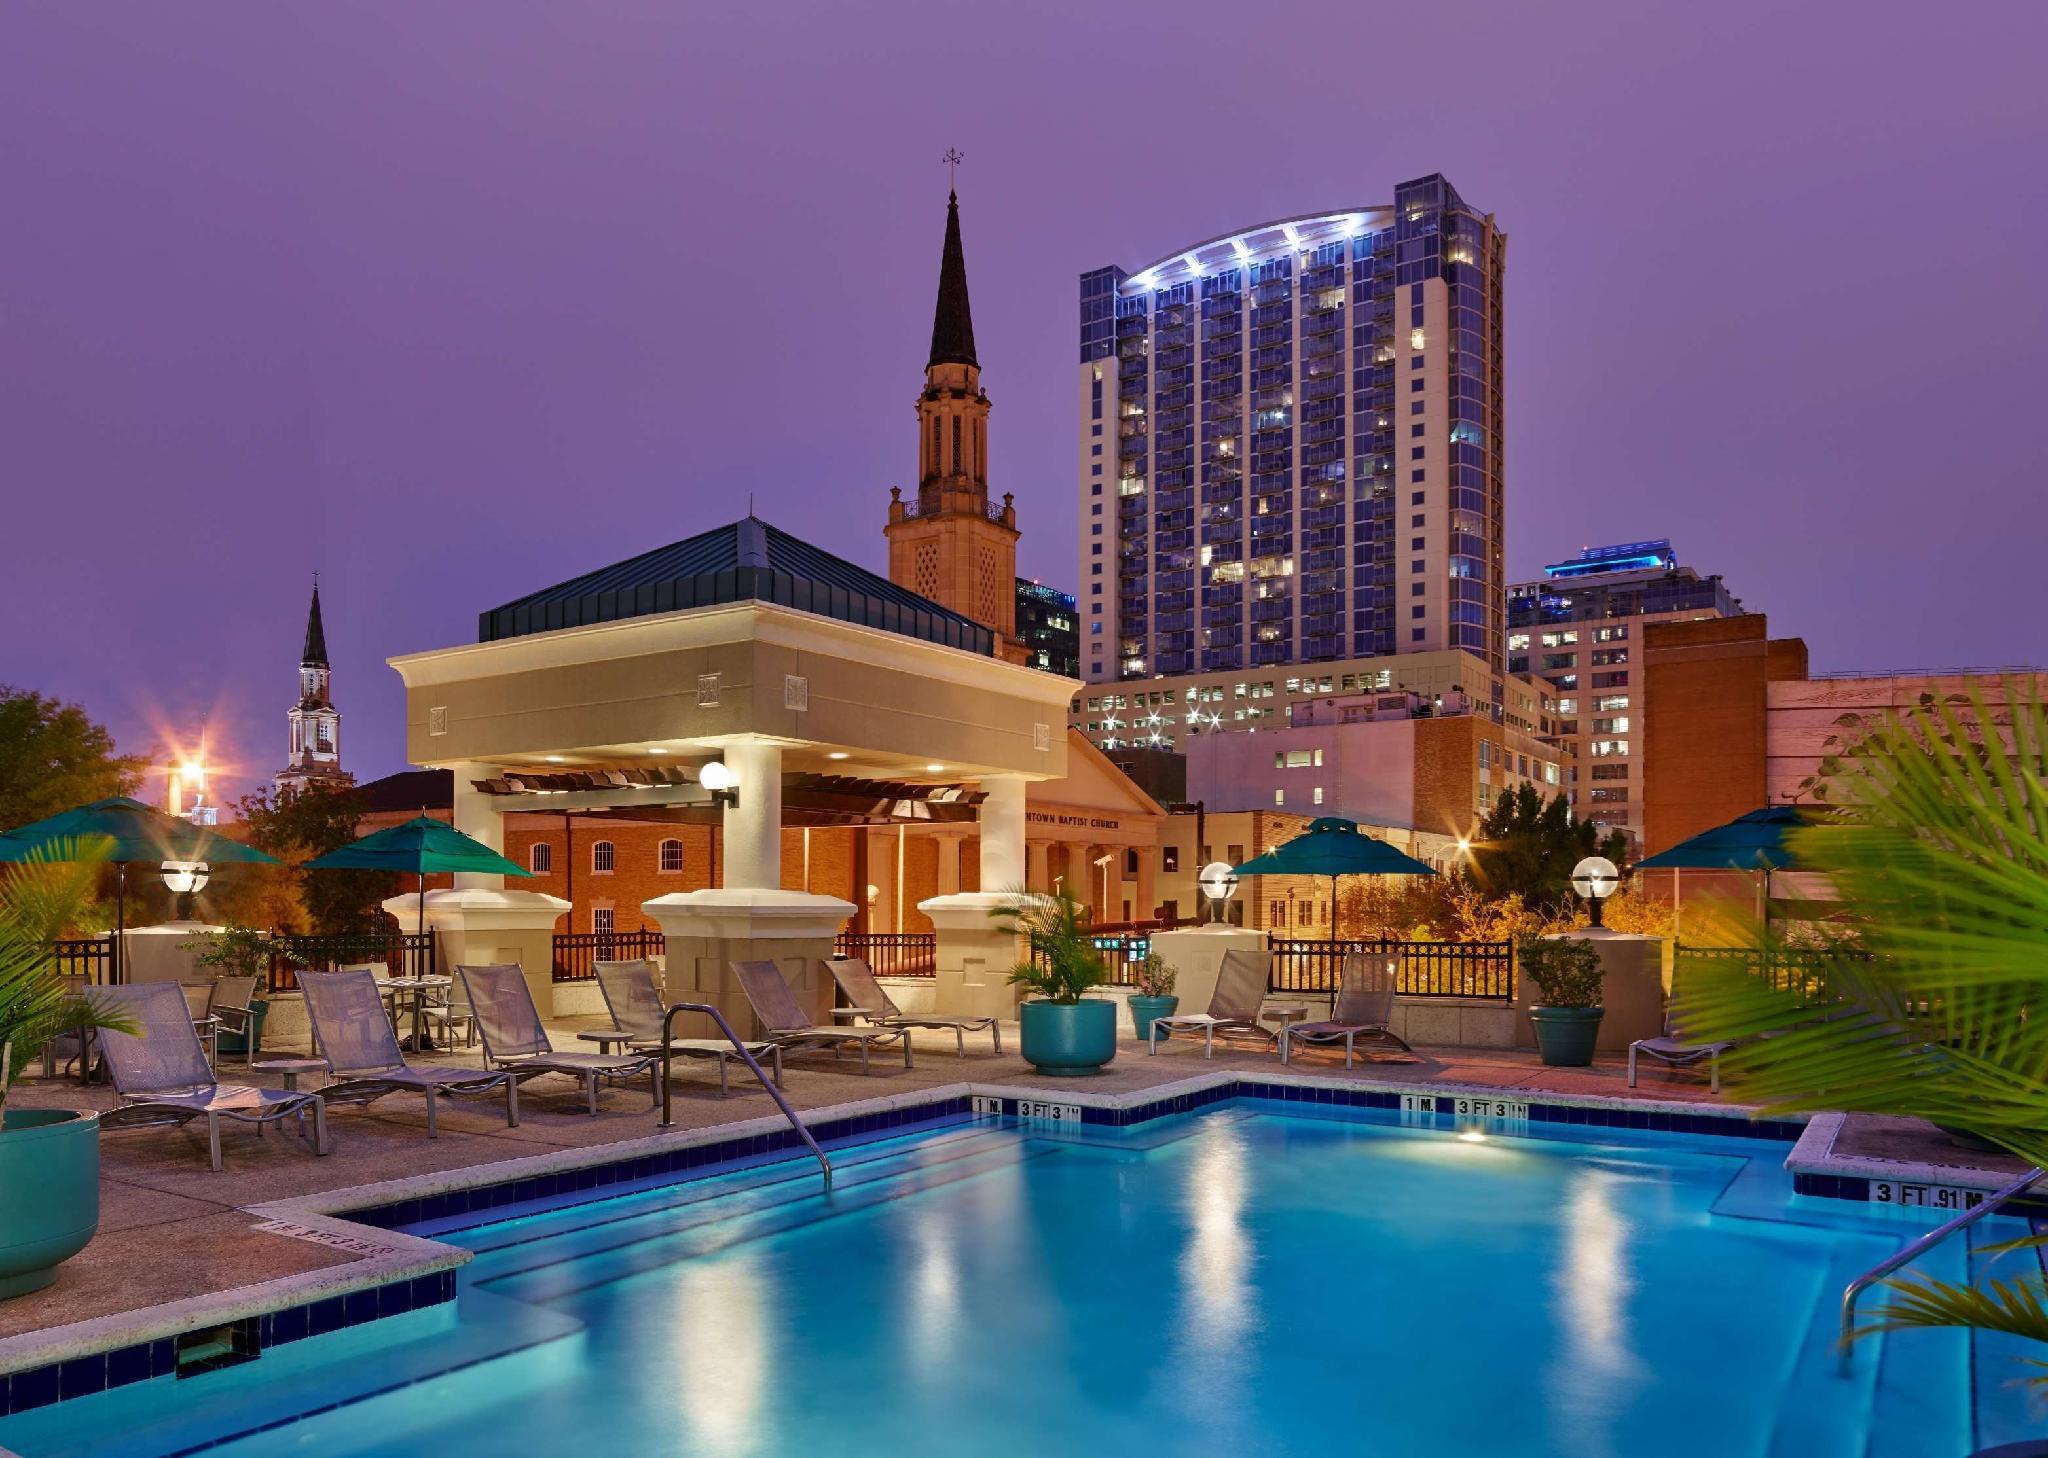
(1218, 882)
(1595, 879)
(184, 880)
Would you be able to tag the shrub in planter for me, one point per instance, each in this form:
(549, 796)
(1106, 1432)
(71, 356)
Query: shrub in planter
(1566, 974)
(1062, 1032)
(1154, 997)
(49, 1158)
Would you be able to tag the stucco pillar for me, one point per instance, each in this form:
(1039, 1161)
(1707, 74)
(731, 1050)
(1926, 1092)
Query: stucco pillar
(753, 826)
(477, 815)
(1631, 989)
(481, 926)
(1038, 868)
(1002, 832)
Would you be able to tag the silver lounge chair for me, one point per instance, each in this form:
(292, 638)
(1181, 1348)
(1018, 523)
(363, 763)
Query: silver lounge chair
(352, 1034)
(514, 1039)
(1674, 1051)
(162, 1076)
(227, 1003)
(637, 1012)
(869, 1000)
(1363, 1007)
(782, 1018)
(1233, 1007)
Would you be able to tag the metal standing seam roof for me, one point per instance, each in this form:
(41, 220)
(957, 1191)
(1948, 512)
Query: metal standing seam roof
(746, 561)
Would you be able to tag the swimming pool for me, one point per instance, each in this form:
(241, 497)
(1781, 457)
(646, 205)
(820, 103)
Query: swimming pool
(1255, 1278)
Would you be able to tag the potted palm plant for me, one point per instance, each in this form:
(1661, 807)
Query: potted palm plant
(1154, 997)
(1063, 1032)
(1566, 973)
(1942, 848)
(49, 1158)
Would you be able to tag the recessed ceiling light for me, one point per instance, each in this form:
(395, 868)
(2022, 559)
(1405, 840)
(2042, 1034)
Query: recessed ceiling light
(932, 769)
(554, 759)
(837, 754)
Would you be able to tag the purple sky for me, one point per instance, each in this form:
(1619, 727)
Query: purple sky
(453, 301)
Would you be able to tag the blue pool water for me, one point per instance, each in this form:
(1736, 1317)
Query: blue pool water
(1240, 1281)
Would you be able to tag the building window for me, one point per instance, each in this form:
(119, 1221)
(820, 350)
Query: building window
(1276, 913)
(1169, 858)
(601, 920)
(671, 856)
(540, 859)
(1279, 797)
(602, 856)
(1318, 797)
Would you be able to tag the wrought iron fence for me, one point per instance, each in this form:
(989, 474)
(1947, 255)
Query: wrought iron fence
(576, 953)
(1125, 944)
(1427, 969)
(89, 957)
(403, 954)
(1787, 969)
(891, 954)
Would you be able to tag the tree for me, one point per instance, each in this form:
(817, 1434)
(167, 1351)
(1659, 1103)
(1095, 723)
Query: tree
(53, 757)
(295, 826)
(1527, 846)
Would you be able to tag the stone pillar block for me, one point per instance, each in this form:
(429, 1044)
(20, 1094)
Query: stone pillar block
(479, 927)
(1632, 989)
(1196, 956)
(971, 977)
(709, 930)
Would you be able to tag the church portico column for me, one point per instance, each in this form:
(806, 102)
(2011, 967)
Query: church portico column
(1038, 865)
(749, 917)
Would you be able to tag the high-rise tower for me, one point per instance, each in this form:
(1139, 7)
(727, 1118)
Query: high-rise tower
(1291, 445)
(951, 543)
(315, 722)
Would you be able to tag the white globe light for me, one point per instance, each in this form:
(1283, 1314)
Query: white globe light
(1596, 878)
(185, 878)
(1217, 881)
(716, 776)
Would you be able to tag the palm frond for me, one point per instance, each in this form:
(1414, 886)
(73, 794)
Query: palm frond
(42, 898)
(2014, 1306)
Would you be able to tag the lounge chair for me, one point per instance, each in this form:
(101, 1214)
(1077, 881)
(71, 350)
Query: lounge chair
(1363, 1007)
(227, 1003)
(162, 1076)
(352, 1034)
(633, 1000)
(869, 1000)
(1674, 1050)
(782, 1018)
(514, 1039)
(1233, 1007)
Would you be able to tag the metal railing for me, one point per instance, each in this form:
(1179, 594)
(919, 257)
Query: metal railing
(1786, 969)
(1920, 1247)
(404, 954)
(576, 953)
(891, 954)
(668, 1032)
(89, 957)
(1427, 969)
(1125, 944)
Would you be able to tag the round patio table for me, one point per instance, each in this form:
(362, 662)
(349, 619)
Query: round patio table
(414, 989)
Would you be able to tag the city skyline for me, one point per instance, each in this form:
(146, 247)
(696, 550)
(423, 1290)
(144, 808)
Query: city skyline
(439, 331)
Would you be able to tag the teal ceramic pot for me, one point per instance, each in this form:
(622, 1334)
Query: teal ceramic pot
(1068, 1039)
(49, 1193)
(1144, 1009)
(1565, 1035)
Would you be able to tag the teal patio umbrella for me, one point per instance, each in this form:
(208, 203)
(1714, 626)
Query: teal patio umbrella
(1758, 843)
(1333, 847)
(421, 846)
(136, 833)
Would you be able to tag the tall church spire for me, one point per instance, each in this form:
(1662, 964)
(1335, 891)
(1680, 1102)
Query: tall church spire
(314, 755)
(952, 321)
(315, 654)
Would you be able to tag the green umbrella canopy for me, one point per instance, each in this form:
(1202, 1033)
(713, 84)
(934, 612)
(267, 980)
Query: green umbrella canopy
(1762, 840)
(137, 832)
(420, 846)
(1334, 847)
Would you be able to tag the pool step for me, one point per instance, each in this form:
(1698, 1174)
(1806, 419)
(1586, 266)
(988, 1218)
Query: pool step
(260, 1400)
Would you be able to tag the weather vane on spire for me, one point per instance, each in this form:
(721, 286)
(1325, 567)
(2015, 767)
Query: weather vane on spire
(953, 159)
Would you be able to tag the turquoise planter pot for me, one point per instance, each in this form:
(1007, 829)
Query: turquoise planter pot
(1565, 1036)
(1068, 1039)
(1144, 1009)
(49, 1193)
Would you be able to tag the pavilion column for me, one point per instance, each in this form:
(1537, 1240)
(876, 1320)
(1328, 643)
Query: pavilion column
(749, 917)
(973, 954)
(479, 922)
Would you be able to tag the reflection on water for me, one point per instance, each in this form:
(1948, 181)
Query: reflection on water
(724, 1350)
(1216, 1269)
(931, 1297)
(1592, 1289)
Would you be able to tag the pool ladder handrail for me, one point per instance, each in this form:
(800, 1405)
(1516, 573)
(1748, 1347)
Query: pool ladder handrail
(1920, 1247)
(668, 1028)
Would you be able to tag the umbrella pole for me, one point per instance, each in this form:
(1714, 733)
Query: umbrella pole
(423, 912)
(120, 915)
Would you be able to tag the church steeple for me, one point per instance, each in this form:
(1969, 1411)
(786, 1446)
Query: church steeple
(952, 544)
(315, 654)
(315, 724)
(953, 320)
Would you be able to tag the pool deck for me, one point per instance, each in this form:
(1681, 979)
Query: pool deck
(172, 1231)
